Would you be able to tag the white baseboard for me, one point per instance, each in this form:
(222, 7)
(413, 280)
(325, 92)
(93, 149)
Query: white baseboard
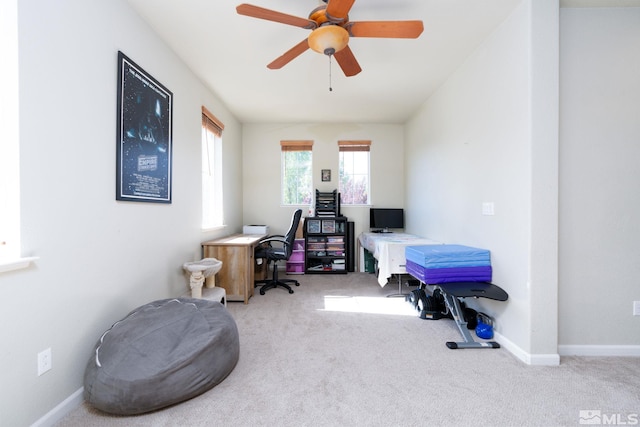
(567, 350)
(551, 359)
(528, 358)
(61, 410)
(600, 350)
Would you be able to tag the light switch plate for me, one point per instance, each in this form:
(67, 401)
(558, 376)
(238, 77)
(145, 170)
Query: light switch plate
(488, 208)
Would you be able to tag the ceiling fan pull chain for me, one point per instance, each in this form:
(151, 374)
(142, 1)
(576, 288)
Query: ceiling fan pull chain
(330, 88)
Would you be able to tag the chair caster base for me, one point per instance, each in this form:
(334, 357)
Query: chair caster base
(273, 285)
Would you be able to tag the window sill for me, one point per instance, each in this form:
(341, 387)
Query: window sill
(214, 228)
(16, 264)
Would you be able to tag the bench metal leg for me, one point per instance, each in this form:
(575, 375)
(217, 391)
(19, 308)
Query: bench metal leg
(453, 304)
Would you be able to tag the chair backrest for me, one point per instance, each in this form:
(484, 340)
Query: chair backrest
(291, 234)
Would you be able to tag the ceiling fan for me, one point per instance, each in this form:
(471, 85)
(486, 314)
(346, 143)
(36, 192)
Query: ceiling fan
(331, 30)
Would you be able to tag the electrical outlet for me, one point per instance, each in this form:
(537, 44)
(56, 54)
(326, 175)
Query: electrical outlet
(636, 308)
(44, 361)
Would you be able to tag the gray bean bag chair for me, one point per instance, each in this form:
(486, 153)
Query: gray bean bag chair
(161, 353)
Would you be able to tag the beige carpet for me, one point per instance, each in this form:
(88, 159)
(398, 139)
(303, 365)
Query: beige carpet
(338, 353)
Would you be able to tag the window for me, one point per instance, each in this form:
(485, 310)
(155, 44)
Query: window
(10, 247)
(297, 177)
(9, 148)
(212, 201)
(353, 180)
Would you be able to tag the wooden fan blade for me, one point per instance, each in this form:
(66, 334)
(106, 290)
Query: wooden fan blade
(347, 62)
(339, 8)
(386, 29)
(289, 55)
(272, 15)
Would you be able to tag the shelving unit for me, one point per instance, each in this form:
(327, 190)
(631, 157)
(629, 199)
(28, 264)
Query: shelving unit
(325, 245)
(327, 204)
(295, 263)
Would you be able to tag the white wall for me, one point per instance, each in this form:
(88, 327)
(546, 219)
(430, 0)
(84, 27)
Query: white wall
(599, 197)
(471, 143)
(99, 258)
(261, 168)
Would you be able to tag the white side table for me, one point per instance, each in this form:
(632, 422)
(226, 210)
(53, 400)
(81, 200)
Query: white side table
(199, 270)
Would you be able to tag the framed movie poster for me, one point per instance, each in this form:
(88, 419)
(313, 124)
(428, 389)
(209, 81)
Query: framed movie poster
(143, 172)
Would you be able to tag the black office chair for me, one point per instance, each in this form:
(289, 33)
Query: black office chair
(282, 251)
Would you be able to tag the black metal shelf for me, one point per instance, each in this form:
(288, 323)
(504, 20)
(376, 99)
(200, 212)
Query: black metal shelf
(325, 245)
(327, 204)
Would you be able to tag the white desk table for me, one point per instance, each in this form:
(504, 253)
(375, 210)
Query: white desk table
(388, 250)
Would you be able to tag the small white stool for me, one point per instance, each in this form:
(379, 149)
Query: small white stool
(200, 270)
(215, 294)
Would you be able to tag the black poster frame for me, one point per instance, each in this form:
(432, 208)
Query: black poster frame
(144, 140)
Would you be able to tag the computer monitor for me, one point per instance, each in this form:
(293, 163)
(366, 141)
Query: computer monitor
(383, 219)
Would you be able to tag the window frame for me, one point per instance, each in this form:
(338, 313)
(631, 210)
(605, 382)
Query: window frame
(10, 239)
(289, 146)
(211, 172)
(354, 146)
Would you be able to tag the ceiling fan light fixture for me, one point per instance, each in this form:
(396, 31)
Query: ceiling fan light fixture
(328, 39)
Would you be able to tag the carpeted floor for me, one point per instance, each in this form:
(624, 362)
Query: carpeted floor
(338, 353)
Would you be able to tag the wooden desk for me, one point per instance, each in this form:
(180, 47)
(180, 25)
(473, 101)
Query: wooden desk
(237, 273)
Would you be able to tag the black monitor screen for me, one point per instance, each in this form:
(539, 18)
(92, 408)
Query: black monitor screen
(385, 218)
